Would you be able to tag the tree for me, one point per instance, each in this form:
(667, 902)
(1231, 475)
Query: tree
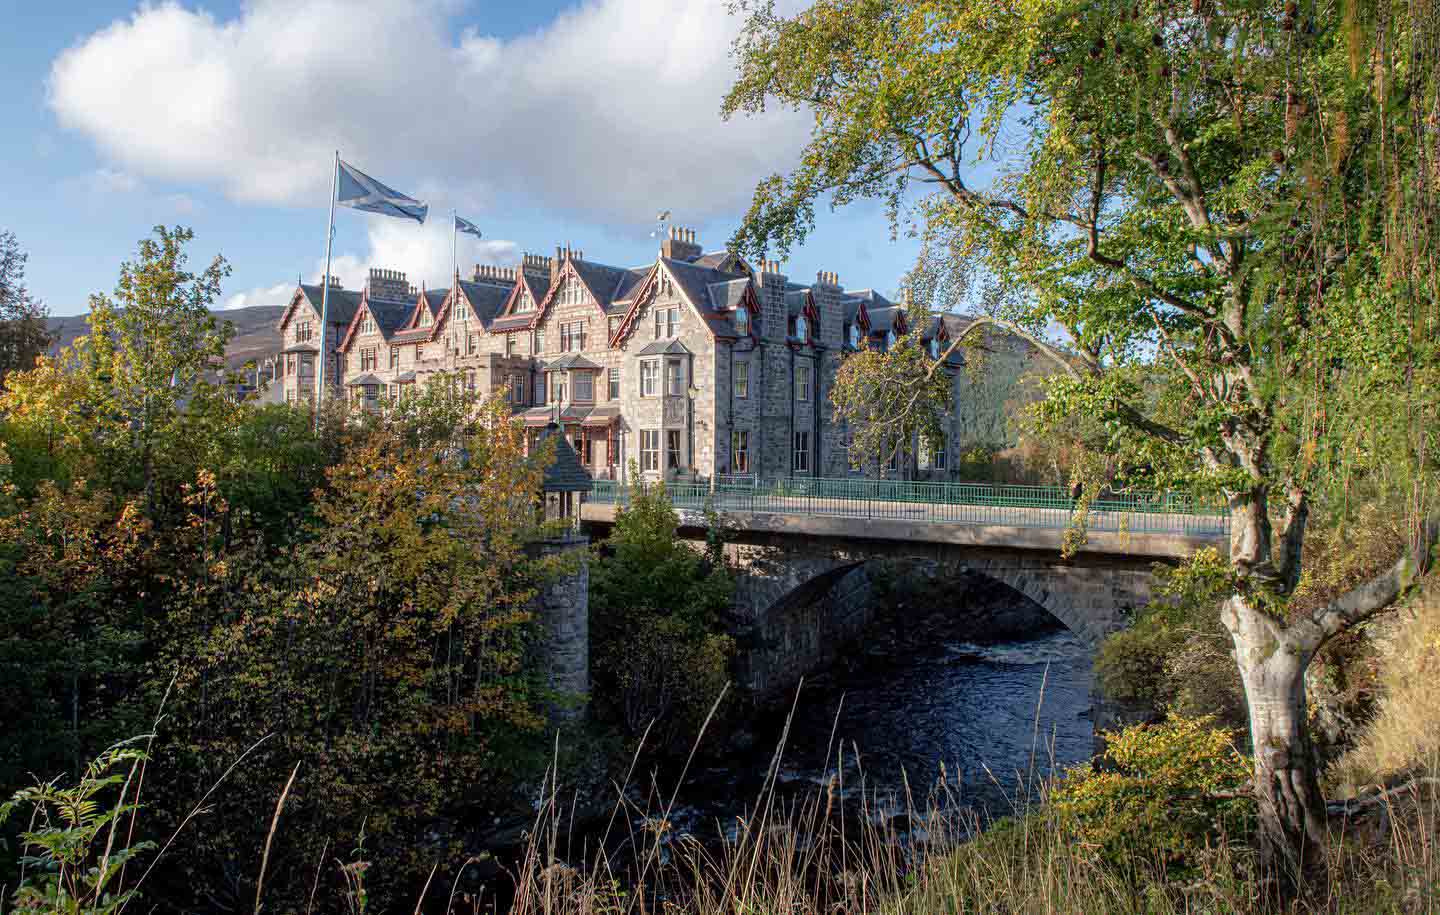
(1228, 206)
(661, 656)
(24, 335)
(387, 650)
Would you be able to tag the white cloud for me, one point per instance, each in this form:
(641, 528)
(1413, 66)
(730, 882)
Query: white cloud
(111, 181)
(278, 294)
(608, 113)
(422, 253)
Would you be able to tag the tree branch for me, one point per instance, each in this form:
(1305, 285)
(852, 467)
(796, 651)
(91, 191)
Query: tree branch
(1373, 596)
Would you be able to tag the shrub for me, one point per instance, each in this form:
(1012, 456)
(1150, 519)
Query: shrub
(660, 653)
(1166, 793)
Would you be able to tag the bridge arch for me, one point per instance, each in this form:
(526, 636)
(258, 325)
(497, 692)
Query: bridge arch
(803, 604)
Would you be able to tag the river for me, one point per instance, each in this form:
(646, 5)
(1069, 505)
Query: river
(993, 716)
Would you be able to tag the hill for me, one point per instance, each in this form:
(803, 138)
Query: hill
(256, 334)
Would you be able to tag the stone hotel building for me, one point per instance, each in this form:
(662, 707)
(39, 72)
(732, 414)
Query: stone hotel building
(691, 365)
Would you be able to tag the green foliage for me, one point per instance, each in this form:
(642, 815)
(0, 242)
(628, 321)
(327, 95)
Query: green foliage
(1164, 794)
(1177, 656)
(24, 335)
(386, 649)
(659, 654)
(76, 843)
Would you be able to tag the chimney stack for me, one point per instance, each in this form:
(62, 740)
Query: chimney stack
(494, 276)
(536, 265)
(680, 245)
(773, 313)
(389, 285)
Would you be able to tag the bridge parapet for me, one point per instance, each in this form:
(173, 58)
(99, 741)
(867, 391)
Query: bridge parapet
(1147, 525)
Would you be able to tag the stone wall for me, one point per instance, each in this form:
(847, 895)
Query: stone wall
(562, 612)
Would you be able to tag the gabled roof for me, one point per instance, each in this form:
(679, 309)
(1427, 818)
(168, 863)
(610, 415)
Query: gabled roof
(889, 317)
(486, 300)
(712, 294)
(507, 318)
(572, 361)
(602, 280)
(664, 348)
(390, 316)
(627, 287)
(343, 303)
(724, 261)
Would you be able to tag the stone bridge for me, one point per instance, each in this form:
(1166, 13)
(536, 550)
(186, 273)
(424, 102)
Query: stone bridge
(808, 563)
(803, 601)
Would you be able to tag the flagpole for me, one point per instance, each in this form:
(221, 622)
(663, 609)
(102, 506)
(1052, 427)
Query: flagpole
(325, 291)
(454, 243)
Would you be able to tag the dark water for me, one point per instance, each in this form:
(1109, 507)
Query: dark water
(993, 716)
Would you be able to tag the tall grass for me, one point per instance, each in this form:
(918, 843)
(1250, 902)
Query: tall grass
(921, 852)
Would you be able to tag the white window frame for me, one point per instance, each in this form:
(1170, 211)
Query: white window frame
(584, 387)
(800, 459)
(674, 377)
(649, 377)
(612, 384)
(649, 450)
(742, 380)
(802, 383)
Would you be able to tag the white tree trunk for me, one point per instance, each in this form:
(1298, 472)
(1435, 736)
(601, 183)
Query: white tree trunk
(1272, 660)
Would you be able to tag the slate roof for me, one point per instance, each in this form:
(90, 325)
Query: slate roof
(512, 322)
(627, 286)
(713, 260)
(883, 319)
(696, 283)
(664, 348)
(572, 361)
(566, 473)
(343, 302)
(435, 300)
(363, 381)
(602, 280)
(485, 300)
(390, 316)
(413, 335)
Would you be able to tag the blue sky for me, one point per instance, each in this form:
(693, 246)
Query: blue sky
(545, 123)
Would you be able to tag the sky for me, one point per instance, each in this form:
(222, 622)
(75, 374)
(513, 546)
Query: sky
(544, 123)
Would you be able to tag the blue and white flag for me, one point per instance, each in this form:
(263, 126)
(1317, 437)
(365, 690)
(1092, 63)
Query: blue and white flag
(358, 190)
(469, 228)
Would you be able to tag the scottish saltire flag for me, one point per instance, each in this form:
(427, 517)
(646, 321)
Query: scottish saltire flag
(469, 228)
(358, 190)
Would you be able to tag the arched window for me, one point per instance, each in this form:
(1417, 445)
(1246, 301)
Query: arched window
(934, 349)
(458, 311)
(742, 320)
(855, 335)
(889, 339)
(802, 330)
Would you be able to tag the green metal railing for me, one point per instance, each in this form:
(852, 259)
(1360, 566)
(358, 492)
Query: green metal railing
(941, 503)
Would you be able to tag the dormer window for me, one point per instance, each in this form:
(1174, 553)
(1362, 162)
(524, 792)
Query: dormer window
(934, 349)
(526, 303)
(802, 328)
(742, 320)
(459, 312)
(367, 326)
(889, 339)
(425, 318)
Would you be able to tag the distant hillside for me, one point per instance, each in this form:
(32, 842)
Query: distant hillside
(255, 337)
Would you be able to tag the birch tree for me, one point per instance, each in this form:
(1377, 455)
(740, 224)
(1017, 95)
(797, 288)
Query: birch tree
(1204, 196)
